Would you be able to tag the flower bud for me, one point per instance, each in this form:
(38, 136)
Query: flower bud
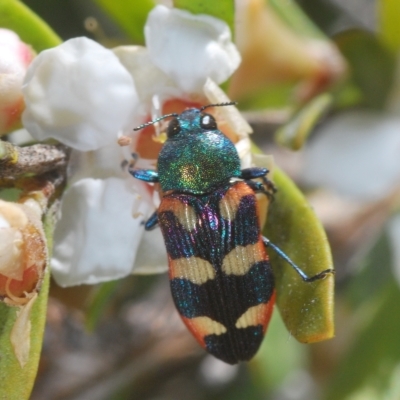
(15, 56)
(273, 53)
(23, 252)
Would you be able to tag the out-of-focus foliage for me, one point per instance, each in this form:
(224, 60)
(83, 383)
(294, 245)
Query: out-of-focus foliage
(223, 9)
(369, 368)
(388, 12)
(15, 16)
(296, 131)
(129, 15)
(372, 65)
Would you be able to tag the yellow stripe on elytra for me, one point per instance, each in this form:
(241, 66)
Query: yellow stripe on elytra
(229, 204)
(185, 213)
(206, 326)
(194, 269)
(253, 316)
(239, 260)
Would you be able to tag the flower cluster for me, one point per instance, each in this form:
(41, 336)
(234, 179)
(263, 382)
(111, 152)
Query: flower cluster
(86, 96)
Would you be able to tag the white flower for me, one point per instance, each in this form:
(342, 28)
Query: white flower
(195, 58)
(56, 105)
(98, 237)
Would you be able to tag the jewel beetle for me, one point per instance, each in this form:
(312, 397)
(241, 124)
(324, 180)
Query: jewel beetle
(220, 276)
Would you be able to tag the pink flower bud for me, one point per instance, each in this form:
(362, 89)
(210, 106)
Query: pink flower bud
(23, 252)
(15, 56)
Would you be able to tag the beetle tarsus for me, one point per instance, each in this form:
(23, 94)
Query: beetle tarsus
(266, 187)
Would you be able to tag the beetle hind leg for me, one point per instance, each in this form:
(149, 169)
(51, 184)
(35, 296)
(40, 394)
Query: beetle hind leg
(304, 276)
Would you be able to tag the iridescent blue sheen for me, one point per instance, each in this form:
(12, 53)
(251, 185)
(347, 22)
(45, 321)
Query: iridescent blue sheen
(214, 297)
(227, 296)
(197, 160)
(214, 237)
(225, 299)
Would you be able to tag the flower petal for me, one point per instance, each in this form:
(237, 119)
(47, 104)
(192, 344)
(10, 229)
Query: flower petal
(190, 48)
(78, 93)
(149, 79)
(97, 237)
(356, 154)
(106, 162)
(151, 256)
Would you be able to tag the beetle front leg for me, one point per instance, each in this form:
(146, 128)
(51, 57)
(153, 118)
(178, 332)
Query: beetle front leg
(152, 222)
(252, 173)
(146, 175)
(284, 256)
(150, 176)
(266, 187)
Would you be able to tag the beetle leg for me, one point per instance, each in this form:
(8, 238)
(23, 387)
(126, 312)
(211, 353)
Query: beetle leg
(260, 187)
(306, 278)
(269, 185)
(146, 175)
(266, 187)
(152, 222)
(252, 173)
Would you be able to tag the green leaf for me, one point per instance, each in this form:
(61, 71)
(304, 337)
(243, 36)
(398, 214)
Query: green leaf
(327, 15)
(389, 15)
(99, 302)
(16, 383)
(306, 308)
(278, 356)
(372, 65)
(295, 132)
(346, 95)
(370, 280)
(296, 19)
(369, 364)
(278, 95)
(11, 194)
(31, 29)
(222, 9)
(131, 16)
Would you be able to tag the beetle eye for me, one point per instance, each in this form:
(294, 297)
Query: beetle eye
(173, 128)
(207, 121)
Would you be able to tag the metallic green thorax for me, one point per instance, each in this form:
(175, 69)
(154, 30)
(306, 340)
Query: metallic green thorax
(196, 160)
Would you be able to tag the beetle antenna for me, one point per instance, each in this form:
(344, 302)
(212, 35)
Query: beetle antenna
(228, 103)
(154, 121)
